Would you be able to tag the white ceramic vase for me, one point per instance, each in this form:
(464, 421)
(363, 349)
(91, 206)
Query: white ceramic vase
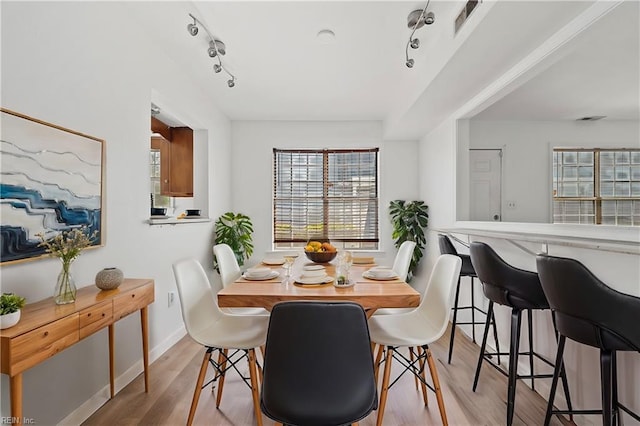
(9, 320)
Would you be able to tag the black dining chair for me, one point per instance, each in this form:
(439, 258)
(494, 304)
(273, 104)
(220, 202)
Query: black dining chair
(447, 247)
(521, 291)
(318, 367)
(593, 314)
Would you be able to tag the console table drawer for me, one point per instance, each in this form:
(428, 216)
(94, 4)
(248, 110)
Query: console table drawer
(94, 318)
(35, 346)
(132, 301)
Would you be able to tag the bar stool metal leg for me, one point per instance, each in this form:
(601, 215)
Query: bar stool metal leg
(606, 382)
(495, 333)
(516, 319)
(453, 326)
(483, 345)
(530, 321)
(473, 313)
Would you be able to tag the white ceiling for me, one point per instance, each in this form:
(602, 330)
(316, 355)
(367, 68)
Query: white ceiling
(599, 76)
(285, 73)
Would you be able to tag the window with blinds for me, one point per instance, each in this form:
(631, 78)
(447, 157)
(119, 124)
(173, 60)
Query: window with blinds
(596, 186)
(325, 194)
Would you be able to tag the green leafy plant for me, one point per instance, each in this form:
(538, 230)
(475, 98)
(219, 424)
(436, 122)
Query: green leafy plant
(235, 230)
(10, 303)
(409, 220)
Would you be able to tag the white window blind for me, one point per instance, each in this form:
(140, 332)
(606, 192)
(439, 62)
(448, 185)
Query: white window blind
(326, 194)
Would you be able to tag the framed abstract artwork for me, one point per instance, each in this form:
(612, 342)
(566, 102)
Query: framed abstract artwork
(52, 180)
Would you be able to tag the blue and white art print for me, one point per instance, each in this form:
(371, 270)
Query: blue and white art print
(51, 181)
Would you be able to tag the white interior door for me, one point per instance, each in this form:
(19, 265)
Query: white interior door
(485, 174)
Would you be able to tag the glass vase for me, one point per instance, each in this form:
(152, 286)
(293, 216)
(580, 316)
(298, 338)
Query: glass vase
(65, 286)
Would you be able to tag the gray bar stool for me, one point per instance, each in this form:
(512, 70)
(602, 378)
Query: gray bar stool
(447, 247)
(592, 313)
(521, 291)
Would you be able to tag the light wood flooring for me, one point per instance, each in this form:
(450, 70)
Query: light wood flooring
(173, 376)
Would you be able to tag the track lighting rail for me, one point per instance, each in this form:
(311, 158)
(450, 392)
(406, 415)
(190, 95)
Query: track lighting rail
(215, 50)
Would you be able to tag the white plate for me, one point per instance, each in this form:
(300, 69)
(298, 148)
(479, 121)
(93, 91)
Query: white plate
(258, 270)
(312, 267)
(313, 274)
(369, 276)
(271, 276)
(314, 280)
(273, 261)
(158, 217)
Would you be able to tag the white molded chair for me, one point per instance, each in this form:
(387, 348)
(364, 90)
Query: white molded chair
(418, 329)
(229, 272)
(217, 331)
(401, 268)
(403, 259)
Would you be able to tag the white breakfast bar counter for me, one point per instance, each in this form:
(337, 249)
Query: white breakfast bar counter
(611, 253)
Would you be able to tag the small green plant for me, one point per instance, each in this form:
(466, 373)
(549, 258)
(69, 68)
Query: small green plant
(235, 230)
(10, 303)
(409, 220)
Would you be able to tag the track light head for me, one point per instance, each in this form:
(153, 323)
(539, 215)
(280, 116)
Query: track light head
(231, 82)
(217, 68)
(193, 29)
(216, 47)
(410, 63)
(429, 18)
(415, 43)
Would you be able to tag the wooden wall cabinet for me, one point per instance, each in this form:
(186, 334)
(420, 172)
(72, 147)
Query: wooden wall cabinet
(176, 158)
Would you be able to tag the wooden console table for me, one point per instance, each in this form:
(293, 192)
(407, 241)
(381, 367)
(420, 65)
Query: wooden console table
(46, 329)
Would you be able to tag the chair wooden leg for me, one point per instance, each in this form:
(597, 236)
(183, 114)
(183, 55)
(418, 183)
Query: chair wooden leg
(385, 385)
(253, 376)
(425, 396)
(412, 358)
(222, 364)
(436, 386)
(198, 389)
(377, 363)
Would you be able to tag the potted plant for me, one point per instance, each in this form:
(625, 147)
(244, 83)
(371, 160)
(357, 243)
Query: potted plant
(10, 306)
(409, 220)
(235, 230)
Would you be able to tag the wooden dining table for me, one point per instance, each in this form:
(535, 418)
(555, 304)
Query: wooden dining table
(370, 294)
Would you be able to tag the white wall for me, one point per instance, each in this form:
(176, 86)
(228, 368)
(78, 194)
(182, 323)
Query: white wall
(252, 165)
(527, 163)
(84, 66)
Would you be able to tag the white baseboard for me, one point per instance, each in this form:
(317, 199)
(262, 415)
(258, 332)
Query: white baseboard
(92, 405)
